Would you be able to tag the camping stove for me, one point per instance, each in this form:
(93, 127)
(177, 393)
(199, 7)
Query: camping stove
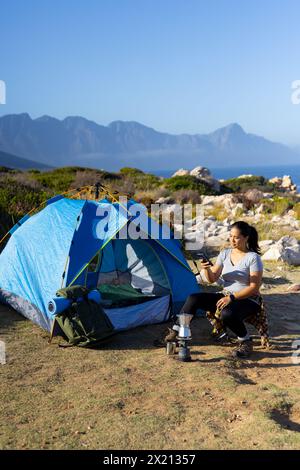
(184, 336)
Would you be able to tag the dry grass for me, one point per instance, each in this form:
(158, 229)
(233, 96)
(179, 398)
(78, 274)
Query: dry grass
(132, 396)
(218, 211)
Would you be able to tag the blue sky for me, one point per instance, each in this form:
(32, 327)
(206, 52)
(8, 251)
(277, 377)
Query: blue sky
(178, 66)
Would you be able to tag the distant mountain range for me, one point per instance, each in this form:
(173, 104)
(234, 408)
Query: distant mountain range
(78, 141)
(12, 161)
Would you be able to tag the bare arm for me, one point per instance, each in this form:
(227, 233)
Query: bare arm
(253, 288)
(212, 272)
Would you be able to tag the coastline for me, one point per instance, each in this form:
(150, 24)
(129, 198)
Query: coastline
(234, 172)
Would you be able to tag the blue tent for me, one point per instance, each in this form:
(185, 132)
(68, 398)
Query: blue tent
(94, 244)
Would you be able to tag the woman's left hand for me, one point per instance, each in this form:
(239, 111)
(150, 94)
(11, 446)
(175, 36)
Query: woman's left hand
(223, 302)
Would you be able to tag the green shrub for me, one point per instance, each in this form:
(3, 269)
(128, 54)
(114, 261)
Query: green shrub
(140, 180)
(242, 184)
(5, 169)
(296, 208)
(16, 200)
(188, 182)
(278, 205)
(128, 171)
(225, 189)
(187, 196)
(59, 180)
(218, 211)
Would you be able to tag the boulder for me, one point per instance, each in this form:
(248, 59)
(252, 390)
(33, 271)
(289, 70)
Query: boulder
(288, 241)
(287, 249)
(203, 174)
(272, 254)
(213, 183)
(229, 201)
(200, 172)
(292, 256)
(265, 245)
(254, 195)
(181, 172)
(208, 200)
(286, 220)
(286, 181)
(276, 180)
(237, 208)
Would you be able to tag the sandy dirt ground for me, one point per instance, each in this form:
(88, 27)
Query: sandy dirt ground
(131, 395)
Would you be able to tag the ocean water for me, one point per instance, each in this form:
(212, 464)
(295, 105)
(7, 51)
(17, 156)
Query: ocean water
(266, 171)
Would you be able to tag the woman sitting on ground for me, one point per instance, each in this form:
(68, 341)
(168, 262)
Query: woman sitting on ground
(241, 269)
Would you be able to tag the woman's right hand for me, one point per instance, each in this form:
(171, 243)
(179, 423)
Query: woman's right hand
(205, 265)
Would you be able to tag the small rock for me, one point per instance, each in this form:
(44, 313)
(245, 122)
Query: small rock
(164, 200)
(120, 405)
(294, 288)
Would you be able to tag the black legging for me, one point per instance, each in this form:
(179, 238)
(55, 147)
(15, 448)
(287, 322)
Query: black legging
(232, 315)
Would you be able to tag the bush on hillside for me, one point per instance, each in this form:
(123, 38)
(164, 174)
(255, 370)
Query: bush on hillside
(187, 196)
(278, 205)
(142, 181)
(188, 182)
(242, 184)
(128, 171)
(16, 200)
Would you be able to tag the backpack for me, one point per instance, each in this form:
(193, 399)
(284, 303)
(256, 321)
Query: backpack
(84, 323)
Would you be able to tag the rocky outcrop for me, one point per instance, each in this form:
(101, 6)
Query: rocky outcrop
(285, 183)
(286, 220)
(181, 172)
(287, 249)
(229, 201)
(202, 174)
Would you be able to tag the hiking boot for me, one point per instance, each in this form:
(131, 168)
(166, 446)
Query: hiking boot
(244, 350)
(169, 336)
(223, 339)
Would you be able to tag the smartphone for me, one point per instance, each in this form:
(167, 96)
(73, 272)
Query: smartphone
(204, 259)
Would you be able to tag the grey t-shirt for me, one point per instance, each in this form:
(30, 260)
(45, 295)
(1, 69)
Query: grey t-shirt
(236, 277)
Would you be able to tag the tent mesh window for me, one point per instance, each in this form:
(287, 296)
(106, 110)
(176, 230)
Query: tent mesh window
(127, 271)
